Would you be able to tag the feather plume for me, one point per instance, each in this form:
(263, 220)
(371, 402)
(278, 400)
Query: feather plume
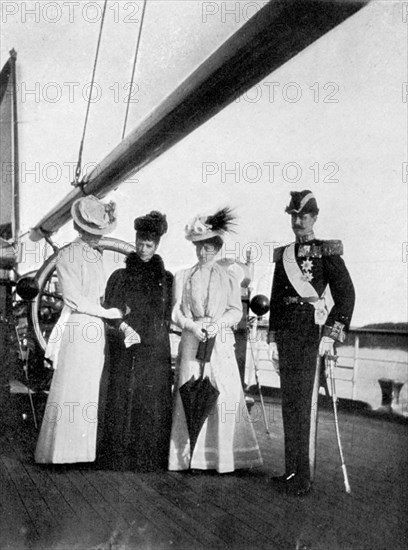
(223, 220)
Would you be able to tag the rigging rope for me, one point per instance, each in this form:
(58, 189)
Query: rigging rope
(134, 67)
(78, 167)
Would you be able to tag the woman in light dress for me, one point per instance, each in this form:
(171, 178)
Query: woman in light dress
(77, 343)
(208, 297)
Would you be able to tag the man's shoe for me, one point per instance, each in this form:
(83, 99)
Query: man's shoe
(283, 482)
(285, 478)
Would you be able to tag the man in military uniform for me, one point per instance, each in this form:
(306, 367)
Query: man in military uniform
(301, 331)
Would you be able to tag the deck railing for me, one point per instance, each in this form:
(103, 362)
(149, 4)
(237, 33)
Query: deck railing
(383, 334)
(368, 357)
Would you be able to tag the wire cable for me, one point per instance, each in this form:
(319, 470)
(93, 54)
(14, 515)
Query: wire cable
(134, 67)
(78, 167)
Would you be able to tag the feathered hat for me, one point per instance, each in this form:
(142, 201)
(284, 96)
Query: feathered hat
(94, 216)
(302, 202)
(205, 227)
(154, 224)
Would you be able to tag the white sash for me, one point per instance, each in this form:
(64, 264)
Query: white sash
(305, 290)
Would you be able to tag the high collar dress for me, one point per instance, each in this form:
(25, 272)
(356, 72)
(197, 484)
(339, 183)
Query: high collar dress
(227, 441)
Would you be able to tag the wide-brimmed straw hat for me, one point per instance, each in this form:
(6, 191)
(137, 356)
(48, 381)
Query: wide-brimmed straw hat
(94, 216)
(206, 227)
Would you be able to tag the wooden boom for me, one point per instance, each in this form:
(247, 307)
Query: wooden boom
(274, 35)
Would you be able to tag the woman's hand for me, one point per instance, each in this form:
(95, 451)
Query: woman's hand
(198, 332)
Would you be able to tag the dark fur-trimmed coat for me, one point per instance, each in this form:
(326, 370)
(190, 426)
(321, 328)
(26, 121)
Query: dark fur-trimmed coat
(137, 418)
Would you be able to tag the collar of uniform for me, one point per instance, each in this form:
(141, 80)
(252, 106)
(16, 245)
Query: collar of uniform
(305, 238)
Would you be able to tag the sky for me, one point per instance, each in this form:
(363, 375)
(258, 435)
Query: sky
(333, 120)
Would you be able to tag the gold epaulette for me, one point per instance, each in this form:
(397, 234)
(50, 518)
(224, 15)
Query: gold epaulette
(316, 249)
(332, 248)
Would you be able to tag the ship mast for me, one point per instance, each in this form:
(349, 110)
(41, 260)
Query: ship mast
(274, 35)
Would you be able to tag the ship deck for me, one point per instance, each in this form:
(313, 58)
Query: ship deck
(82, 508)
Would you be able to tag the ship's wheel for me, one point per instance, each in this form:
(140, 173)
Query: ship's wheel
(46, 307)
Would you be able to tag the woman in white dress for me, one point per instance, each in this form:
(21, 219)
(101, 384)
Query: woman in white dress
(208, 297)
(77, 343)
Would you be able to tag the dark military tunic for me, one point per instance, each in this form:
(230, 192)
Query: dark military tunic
(297, 336)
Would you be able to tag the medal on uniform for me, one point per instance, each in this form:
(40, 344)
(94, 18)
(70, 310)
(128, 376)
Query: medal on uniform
(300, 278)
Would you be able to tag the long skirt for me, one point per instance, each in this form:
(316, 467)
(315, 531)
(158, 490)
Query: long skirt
(69, 427)
(137, 421)
(227, 439)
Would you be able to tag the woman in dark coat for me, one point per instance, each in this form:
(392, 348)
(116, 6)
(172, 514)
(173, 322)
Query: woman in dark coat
(138, 405)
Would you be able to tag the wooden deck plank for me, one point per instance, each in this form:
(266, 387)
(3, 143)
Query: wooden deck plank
(39, 474)
(251, 522)
(37, 508)
(16, 526)
(133, 527)
(74, 522)
(214, 519)
(199, 521)
(146, 501)
(64, 518)
(101, 510)
(170, 516)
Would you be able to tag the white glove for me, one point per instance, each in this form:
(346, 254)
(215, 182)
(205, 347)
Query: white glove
(326, 346)
(131, 336)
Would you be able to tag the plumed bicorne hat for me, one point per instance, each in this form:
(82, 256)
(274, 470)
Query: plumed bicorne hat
(94, 216)
(206, 227)
(302, 202)
(154, 223)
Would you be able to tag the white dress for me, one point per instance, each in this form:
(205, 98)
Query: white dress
(227, 441)
(68, 431)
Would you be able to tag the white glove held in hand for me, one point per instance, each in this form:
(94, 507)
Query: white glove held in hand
(326, 346)
(131, 336)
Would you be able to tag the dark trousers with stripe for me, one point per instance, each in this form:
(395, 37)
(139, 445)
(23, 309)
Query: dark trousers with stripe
(299, 374)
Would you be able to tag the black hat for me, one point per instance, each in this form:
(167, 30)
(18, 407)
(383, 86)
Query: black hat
(302, 202)
(153, 224)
